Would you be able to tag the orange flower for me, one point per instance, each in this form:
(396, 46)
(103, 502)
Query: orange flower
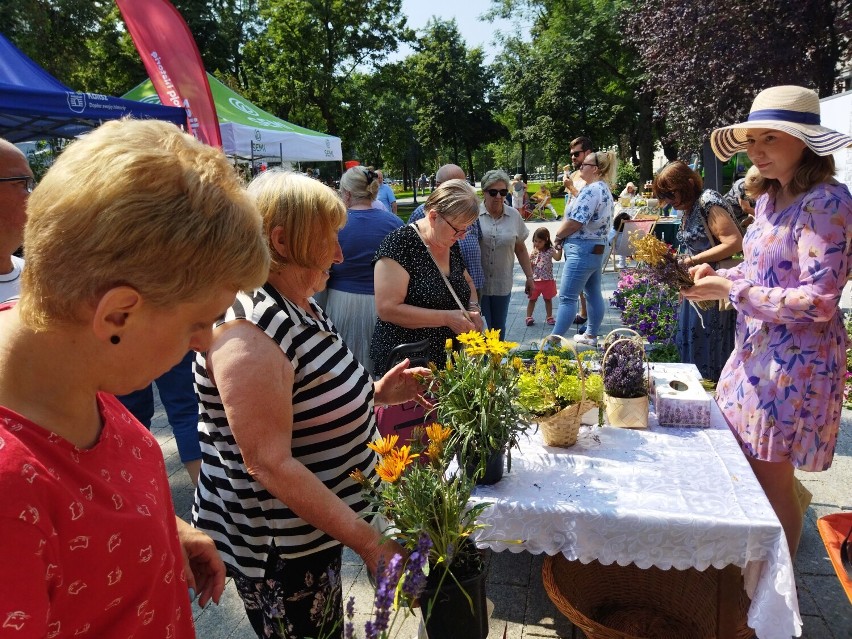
(437, 433)
(384, 445)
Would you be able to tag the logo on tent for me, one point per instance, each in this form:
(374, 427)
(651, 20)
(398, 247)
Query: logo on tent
(242, 106)
(76, 101)
(257, 135)
(151, 99)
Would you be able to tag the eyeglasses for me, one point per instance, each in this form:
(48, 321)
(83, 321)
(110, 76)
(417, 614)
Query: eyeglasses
(575, 154)
(495, 192)
(458, 232)
(587, 164)
(667, 195)
(29, 181)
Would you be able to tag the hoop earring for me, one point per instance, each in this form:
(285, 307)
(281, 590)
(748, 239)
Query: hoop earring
(115, 339)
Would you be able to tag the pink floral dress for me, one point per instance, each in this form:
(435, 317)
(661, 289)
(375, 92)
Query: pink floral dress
(782, 388)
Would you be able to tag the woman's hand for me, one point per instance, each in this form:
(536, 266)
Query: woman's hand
(205, 571)
(460, 321)
(381, 553)
(707, 286)
(476, 318)
(401, 384)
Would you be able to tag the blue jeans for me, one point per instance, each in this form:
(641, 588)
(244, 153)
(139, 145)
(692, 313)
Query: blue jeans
(581, 273)
(495, 310)
(178, 395)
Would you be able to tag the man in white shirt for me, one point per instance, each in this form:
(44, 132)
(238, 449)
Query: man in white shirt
(16, 184)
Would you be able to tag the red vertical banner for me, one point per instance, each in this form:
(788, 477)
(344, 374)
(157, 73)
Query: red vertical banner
(173, 63)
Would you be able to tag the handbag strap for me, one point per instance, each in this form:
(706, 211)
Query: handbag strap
(443, 277)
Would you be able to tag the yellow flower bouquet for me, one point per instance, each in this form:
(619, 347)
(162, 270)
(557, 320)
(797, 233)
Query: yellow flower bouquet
(477, 396)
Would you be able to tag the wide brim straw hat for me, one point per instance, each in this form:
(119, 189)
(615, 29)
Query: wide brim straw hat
(791, 109)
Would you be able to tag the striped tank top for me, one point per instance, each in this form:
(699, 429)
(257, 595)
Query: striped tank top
(332, 424)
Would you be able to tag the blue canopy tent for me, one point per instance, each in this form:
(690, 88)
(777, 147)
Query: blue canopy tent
(34, 105)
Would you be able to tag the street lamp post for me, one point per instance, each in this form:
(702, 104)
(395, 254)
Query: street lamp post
(410, 122)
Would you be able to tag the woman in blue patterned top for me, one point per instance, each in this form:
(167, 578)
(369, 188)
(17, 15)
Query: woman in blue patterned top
(583, 234)
(708, 234)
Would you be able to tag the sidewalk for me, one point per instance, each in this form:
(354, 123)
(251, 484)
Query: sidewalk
(521, 606)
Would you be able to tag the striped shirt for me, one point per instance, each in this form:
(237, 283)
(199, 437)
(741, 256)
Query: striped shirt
(332, 424)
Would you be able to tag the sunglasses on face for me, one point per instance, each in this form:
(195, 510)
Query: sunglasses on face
(667, 195)
(29, 183)
(587, 164)
(496, 192)
(575, 154)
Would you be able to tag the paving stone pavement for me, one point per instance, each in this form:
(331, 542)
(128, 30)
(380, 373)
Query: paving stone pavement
(521, 607)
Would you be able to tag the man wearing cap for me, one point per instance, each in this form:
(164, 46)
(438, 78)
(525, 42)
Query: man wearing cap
(16, 184)
(469, 244)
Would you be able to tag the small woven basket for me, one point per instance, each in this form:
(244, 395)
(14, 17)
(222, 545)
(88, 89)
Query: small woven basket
(562, 428)
(626, 602)
(625, 412)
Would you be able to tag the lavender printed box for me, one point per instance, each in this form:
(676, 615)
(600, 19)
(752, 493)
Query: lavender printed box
(680, 400)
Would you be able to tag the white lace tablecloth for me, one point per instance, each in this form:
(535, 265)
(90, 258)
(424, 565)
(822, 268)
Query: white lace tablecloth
(666, 497)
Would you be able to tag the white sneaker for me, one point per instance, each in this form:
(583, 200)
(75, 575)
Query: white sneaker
(582, 338)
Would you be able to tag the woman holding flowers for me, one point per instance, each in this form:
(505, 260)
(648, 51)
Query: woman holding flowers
(286, 414)
(708, 234)
(782, 387)
(583, 233)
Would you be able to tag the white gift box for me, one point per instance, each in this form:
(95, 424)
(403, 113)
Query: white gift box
(679, 399)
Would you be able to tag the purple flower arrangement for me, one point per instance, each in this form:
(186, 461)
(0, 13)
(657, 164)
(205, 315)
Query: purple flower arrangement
(624, 369)
(648, 305)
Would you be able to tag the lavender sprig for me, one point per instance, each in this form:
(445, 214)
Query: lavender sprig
(383, 604)
(415, 578)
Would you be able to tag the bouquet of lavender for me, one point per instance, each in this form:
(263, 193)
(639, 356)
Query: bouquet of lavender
(662, 259)
(624, 368)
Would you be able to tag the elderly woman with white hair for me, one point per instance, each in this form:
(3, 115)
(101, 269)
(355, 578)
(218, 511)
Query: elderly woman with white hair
(502, 240)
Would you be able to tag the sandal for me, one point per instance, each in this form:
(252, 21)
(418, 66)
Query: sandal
(550, 320)
(530, 321)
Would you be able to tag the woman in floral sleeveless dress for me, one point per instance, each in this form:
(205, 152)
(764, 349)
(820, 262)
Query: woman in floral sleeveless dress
(782, 388)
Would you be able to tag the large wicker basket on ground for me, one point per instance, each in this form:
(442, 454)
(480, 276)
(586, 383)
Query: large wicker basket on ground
(626, 602)
(561, 429)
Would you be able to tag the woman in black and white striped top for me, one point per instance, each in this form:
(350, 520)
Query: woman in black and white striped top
(286, 414)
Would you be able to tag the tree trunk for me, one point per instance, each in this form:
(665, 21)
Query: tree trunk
(645, 138)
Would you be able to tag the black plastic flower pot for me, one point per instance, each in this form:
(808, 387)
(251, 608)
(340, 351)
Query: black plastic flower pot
(450, 614)
(493, 468)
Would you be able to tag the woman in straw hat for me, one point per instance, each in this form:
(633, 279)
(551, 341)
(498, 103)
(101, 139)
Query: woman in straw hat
(782, 388)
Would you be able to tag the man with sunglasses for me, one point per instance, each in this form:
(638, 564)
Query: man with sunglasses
(16, 184)
(573, 183)
(469, 244)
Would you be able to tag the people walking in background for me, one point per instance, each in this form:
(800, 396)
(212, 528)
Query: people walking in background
(423, 181)
(573, 183)
(782, 388)
(708, 234)
(127, 268)
(518, 196)
(742, 204)
(544, 285)
(349, 299)
(584, 232)
(469, 244)
(16, 184)
(502, 241)
(385, 194)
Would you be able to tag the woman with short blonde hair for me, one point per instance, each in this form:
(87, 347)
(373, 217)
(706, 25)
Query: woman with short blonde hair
(286, 416)
(138, 237)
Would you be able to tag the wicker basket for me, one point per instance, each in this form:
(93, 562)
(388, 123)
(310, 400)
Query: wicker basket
(625, 412)
(561, 429)
(626, 602)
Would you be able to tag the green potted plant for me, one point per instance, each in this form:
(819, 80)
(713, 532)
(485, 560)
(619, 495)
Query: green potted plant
(426, 507)
(477, 397)
(625, 382)
(557, 392)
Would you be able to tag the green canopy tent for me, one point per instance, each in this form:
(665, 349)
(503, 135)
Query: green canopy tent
(250, 132)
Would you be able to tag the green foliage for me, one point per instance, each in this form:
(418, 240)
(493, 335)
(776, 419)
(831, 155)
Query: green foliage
(625, 173)
(552, 382)
(477, 396)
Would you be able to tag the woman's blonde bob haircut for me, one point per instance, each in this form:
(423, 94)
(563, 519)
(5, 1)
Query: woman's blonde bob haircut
(137, 203)
(454, 199)
(309, 213)
(607, 162)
